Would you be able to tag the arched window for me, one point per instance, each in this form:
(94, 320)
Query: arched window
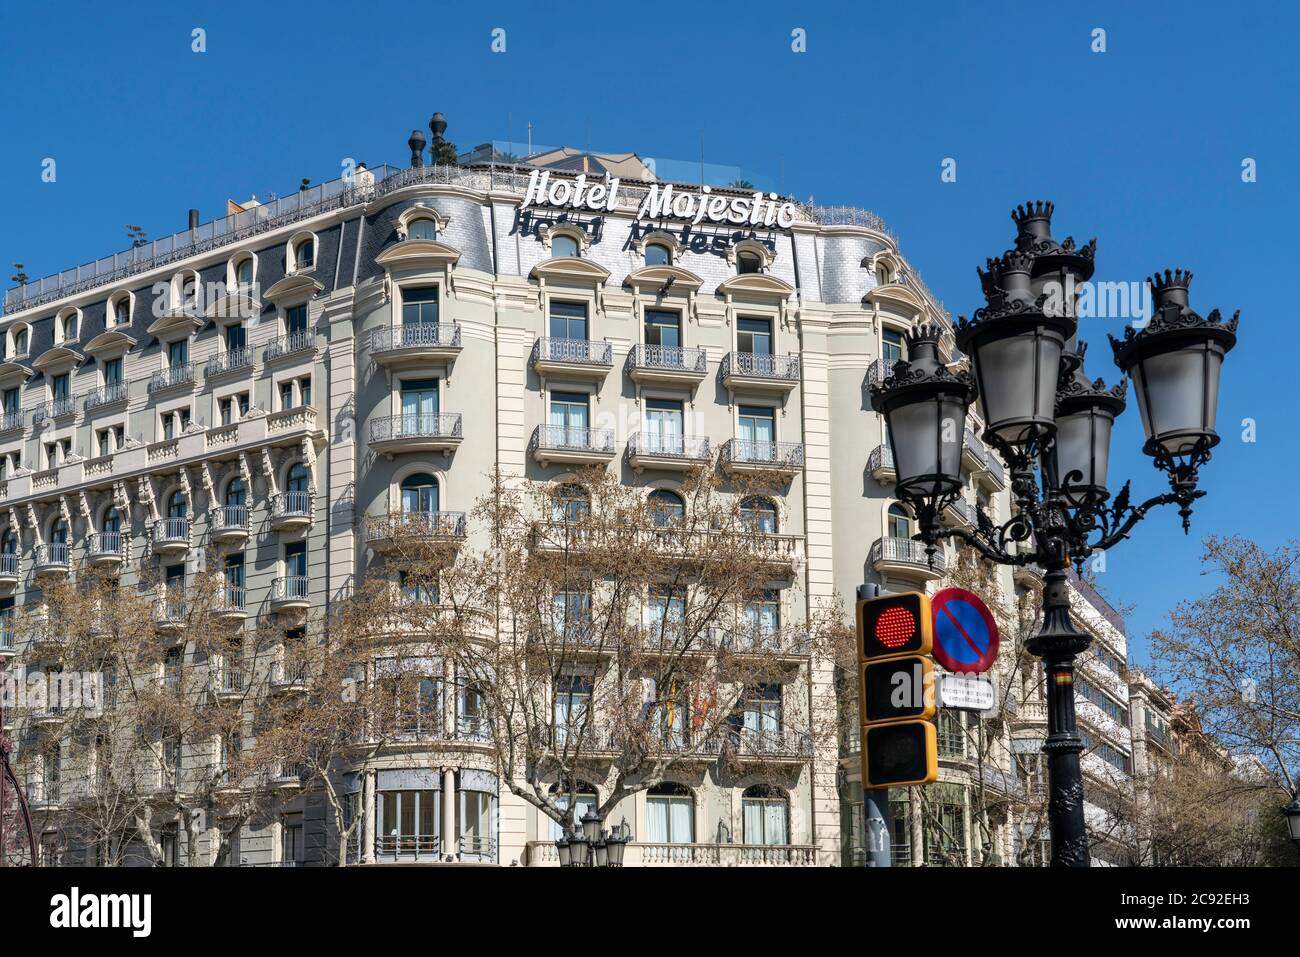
(570, 503)
(758, 515)
(666, 508)
(764, 815)
(670, 814)
(59, 532)
(9, 543)
(883, 274)
(564, 246)
(304, 254)
(584, 800)
(190, 292)
(657, 254)
(236, 493)
(122, 311)
(422, 228)
(748, 262)
(68, 327)
(419, 494)
(112, 521)
(898, 524)
(178, 506)
(20, 340)
(299, 478)
(244, 272)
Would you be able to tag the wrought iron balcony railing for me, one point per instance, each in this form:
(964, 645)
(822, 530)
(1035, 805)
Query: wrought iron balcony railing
(299, 341)
(171, 531)
(668, 358)
(230, 518)
(104, 543)
(777, 455)
(760, 365)
(229, 361)
(176, 375)
(412, 335)
(415, 524)
(289, 588)
(12, 420)
(232, 598)
(574, 439)
(907, 550)
(692, 447)
(881, 459)
(394, 427)
(291, 505)
(578, 351)
(9, 565)
(52, 555)
(107, 395)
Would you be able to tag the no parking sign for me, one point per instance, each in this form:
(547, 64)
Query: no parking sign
(965, 633)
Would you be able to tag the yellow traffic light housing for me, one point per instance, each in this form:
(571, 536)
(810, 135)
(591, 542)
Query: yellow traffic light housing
(899, 754)
(901, 624)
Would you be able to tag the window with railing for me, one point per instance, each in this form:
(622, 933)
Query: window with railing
(408, 823)
(951, 732)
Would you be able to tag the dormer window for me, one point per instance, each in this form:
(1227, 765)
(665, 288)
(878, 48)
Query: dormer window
(562, 245)
(748, 263)
(244, 272)
(657, 254)
(422, 228)
(189, 293)
(304, 254)
(883, 275)
(121, 311)
(19, 340)
(67, 326)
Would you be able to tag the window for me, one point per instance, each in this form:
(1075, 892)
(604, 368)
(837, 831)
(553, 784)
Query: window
(570, 503)
(109, 440)
(418, 589)
(298, 485)
(419, 494)
(236, 338)
(657, 254)
(663, 328)
(945, 827)
(572, 700)
(234, 572)
(663, 427)
(756, 430)
(568, 320)
(409, 822)
(12, 401)
(477, 809)
(891, 347)
(121, 311)
(570, 613)
(295, 320)
(763, 816)
(422, 228)
(763, 616)
(190, 292)
(59, 386)
(304, 390)
(883, 274)
(178, 353)
(20, 339)
(667, 611)
(68, 327)
(754, 335)
(897, 523)
(244, 272)
(286, 394)
(585, 802)
(669, 712)
(178, 506)
(666, 508)
(564, 246)
(295, 561)
(758, 515)
(304, 254)
(569, 417)
(291, 847)
(236, 494)
(419, 406)
(233, 407)
(670, 815)
(419, 304)
(112, 369)
(757, 724)
(951, 731)
(748, 263)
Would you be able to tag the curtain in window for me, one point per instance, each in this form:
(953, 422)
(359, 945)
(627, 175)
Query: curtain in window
(657, 820)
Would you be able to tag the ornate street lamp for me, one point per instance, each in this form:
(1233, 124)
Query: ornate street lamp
(1292, 812)
(1052, 426)
(589, 846)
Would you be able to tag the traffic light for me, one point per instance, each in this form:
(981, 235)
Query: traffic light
(899, 754)
(895, 625)
(898, 688)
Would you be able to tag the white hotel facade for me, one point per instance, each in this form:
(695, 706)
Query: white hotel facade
(413, 329)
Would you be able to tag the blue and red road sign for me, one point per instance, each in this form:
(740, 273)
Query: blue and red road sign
(965, 633)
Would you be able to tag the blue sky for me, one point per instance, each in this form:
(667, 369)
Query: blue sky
(1141, 146)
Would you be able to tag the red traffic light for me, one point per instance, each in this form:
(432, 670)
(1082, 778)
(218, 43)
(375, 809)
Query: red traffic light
(895, 625)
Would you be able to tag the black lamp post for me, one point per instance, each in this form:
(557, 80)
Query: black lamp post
(589, 846)
(1052, 426)
(1292, 812)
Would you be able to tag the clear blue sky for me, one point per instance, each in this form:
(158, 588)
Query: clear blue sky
(1141, 146)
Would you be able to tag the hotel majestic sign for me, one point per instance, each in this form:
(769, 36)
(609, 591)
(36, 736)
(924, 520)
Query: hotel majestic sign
(662, 201)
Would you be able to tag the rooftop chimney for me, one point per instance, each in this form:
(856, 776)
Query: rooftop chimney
(416, 143)
(194, 219)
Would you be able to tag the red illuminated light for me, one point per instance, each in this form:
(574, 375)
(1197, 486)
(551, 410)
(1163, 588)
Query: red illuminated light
(895, 626)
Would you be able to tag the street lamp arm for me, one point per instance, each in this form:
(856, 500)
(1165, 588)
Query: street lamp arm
(1123, 517)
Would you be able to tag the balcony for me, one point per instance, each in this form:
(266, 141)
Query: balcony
(291, 511)
(982, 461)
(10, 569)
(52, 559)
(743, 456)
(679, 453)
(299, 345)
(289, 676)
(171, 536)
(572, 358)
(111, 394)
(778, 744)
(402, 529)
(290, 594)
(231, 603)
(959, 512)
(477, 848)
(174, 377)
(8, 637)
(667, 365)
(415, 433)
(106, 550)
(769, 644)
(760, 372)
(881, 464)
(409, 848)
(171, 612)
(644, 854)
(288, 777)
(10, 421)
(906, 558)
(228, 685)
(572, 446)
(1028, 575)
(232, 360)
(47, 717)
(415, 342)
(229, 524)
